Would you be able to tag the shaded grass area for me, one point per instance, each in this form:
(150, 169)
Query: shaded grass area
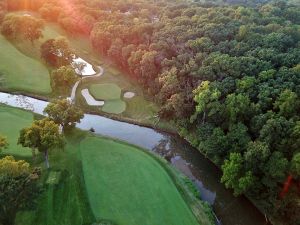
(129, 187)
(64, 200)
(20, 72)
(11, 121)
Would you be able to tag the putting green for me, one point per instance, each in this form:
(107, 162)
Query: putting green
(114, 106)
(129, 187)
(12, 120)
(111, 94)
(20, 72)
(105, 91)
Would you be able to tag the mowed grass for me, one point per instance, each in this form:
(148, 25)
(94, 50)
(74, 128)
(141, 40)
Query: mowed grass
(12, 120)
(129, 187)
(64, 200)
(114, 106)
(105, 91)
(20, 72)
(111, 94)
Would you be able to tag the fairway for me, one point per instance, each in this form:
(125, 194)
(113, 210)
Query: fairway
(20, 72)
(12, 120)
(129, 187)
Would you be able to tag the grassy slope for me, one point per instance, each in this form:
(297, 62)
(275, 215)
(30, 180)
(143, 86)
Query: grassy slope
(11, 121)
(21, 72)
(129, 187)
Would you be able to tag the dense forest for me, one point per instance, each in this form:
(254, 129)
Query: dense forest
(227, 75)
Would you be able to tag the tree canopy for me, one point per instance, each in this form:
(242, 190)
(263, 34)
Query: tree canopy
(42, 135)
(64, 113)
(18, 188)
(57, 52)
(27, 27)
(62, 79)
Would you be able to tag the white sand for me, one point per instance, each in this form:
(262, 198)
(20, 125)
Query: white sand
(129, 94)
(87, 70)
(90, 99)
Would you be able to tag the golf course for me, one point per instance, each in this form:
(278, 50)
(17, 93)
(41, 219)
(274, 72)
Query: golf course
(26, 72)
(149, 112)
(98, 179)
(92, 179)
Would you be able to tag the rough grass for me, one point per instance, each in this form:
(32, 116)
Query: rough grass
(20, 72)
(11, 121)
(129, 187)
(140, 108)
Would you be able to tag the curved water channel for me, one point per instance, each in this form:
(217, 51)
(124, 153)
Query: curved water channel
(229, 209)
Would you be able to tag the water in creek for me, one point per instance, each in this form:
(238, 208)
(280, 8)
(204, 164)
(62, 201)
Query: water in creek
(229, 209)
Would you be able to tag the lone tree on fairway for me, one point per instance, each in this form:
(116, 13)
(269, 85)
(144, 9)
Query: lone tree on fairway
(63, 78)
(3, 143)
(18, 188)
(42, 135)
(64, 113)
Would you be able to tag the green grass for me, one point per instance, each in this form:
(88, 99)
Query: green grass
(114, 106)
(64, 201)
(140, 108)
(94, 178)
(20, 72)
(111, 94)
(11, 121)
(129, 187)
(105, 91)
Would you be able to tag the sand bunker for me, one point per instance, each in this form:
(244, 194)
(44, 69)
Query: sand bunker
(90, 99)
(129, 94)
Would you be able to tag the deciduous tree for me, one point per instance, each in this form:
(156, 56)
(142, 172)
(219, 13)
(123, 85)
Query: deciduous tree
(42, 135)
(18, 188)
(64, 113)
